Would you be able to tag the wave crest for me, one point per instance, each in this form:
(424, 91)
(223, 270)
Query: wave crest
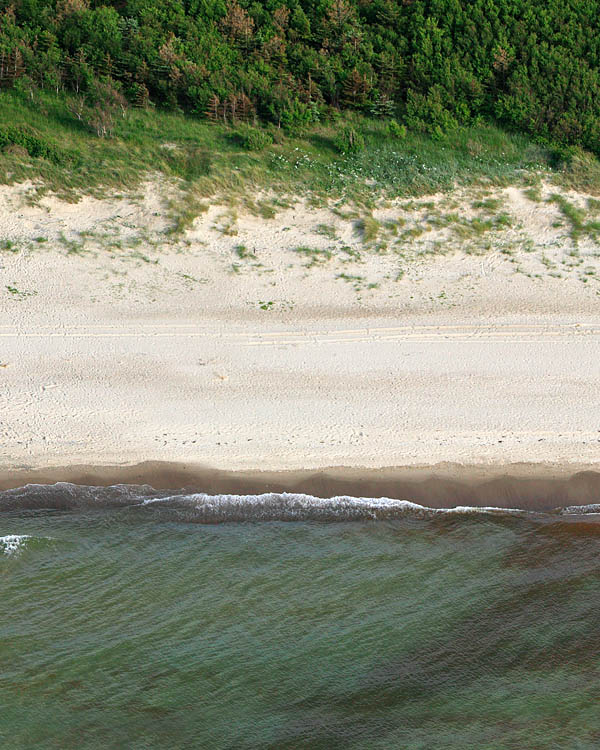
(202, 507)
(288, 506)
(12, 543)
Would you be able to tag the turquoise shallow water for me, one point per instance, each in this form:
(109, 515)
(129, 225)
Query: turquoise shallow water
(142, 626)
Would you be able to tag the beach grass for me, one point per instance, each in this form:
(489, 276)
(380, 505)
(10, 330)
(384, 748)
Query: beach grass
(205, 158)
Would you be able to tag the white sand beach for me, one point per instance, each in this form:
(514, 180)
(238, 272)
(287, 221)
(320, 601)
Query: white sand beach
(294, 342)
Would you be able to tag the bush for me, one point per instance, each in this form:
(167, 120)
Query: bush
(429, 113)
(253, 139)
(395, 130)
(349, 141)
(99, 107)
(26, 139)
(297, 117)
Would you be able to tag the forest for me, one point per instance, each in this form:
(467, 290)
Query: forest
(426, 65)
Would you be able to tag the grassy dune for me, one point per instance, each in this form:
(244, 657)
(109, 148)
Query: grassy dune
(62, 156)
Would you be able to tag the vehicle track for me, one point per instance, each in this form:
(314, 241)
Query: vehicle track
(426, 333)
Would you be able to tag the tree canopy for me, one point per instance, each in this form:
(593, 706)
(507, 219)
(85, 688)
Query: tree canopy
(533, 65)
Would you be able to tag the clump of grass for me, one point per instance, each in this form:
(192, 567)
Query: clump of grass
(477, 227)
(18, 294)
(9, 246)
(440, 220)
(184, 212)
(316, 255)
(192, 279)
(359, 283)
(369, 228)
(534, 193)
(266, 210)
(502, 220)
(228, 224)
(576, 217)
(327, 230)
(351, 253)
(189, 162)
(580, 171)
(572, 213)
(350, 278)
(411, 233)
(381, 248)
(242, 252)
(73, 247)
(593, 205)
(348, 215)
(489, 204)
(136, 255)
(391, 226)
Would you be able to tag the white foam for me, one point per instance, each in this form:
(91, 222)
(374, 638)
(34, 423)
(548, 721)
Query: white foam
(309, 501)
(299, 501)
(479, 509)
(580, 510)
(12, 543)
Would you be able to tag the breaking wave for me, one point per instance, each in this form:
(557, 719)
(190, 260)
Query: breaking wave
(220, 508)
(12, 544)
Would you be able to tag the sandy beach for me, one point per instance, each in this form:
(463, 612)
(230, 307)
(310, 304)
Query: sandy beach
(249, 344)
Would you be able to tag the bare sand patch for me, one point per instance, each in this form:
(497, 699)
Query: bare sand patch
(453, 328)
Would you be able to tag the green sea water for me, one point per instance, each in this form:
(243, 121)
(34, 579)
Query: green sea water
(134, 627)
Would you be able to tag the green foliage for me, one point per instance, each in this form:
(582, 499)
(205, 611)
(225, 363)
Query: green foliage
(189, 163)
(577, 218)
(532, 66)
(369, 228)
(349, 141)
(297, 117)
(26, 139)
(252, 139)
(395, 130)
(206, 155)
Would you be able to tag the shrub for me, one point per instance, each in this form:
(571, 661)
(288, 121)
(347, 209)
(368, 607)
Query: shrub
(429, 113)
(395, 130)
(253, 139)
(349, 141)
(276, 134)
(99, 107)
(297, 117)
(12, 138)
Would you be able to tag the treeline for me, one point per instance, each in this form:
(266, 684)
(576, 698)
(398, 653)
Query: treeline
(533, 65)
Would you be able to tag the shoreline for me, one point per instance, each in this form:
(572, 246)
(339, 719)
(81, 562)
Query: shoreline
(524, 486)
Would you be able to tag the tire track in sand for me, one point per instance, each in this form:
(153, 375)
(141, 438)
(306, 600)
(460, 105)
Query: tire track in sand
(512, 333)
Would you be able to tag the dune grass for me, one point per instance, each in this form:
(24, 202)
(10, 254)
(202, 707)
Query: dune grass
(208, 158)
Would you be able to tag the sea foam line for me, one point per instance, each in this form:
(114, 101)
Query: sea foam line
(285, 504)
